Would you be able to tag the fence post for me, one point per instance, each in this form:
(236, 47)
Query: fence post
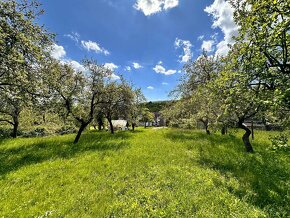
(252, 127)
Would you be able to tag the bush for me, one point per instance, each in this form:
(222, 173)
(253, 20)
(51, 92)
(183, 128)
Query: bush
(279, 142)
(35, 133)
(5, 133)
(66, 130)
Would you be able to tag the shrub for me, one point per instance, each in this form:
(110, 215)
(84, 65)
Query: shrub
(5, 133)
(279, 142)
(35, 133)
(66, 130)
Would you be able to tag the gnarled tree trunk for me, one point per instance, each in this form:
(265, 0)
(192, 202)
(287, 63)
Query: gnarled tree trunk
(246, 136)
(81, 129)
(111, 125)
(207, 131)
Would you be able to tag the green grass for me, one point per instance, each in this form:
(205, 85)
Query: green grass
(155, 173)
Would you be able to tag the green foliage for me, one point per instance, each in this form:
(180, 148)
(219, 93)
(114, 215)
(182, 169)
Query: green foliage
(37, 132)
(156, 106)
(264, 36)
(23, 43)
(137, 106)
(252, 80)
(154, 172)
(78, 93)
(198, 102)
(5, 133)
(117, 100)
(147, 116)
(279, 142)
(23, 46)
(66, 130)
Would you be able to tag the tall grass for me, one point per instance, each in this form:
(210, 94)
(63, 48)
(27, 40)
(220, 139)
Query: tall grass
(154, 172)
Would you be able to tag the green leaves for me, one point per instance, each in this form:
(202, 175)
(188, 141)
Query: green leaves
(23, 45)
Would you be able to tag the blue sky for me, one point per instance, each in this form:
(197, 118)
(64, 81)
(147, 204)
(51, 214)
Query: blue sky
(146, 41)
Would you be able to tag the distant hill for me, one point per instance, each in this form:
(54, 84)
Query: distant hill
(156, 106)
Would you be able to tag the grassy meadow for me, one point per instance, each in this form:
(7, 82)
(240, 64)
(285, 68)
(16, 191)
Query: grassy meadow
(146, 173)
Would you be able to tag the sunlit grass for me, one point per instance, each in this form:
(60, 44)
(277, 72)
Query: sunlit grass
(154, 172)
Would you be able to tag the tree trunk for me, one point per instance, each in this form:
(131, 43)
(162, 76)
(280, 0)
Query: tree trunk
(44, 118)
(264, 121)
(15, 125)
(145, 124)
(133, 126)
(207, 131)
(100, 123)
(15, 129)
(252, 128)
(81, 129)
(223, 131)
(246, 136)
(111, 126)
(205, 123)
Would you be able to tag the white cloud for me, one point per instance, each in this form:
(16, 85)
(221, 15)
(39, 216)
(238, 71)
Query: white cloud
(57, 51)
(76, 66)
(207, 45)
(160, 69)
(114, 76)
(165, 83)
(214, 36)
(136, 65)
(73, 36)
(150, 87)
(168, 4)
(90, 45)
(80, 68)
(186, 46)
(149, 7)
(111, 66)
(201, 37)
(222, 13)
(128, 68)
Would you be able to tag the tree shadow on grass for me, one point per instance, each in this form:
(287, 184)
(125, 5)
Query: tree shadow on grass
(37, 150)
(200, 138)
(263, 177)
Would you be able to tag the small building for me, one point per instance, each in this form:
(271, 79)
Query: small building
(159, 120)
(119, 124)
